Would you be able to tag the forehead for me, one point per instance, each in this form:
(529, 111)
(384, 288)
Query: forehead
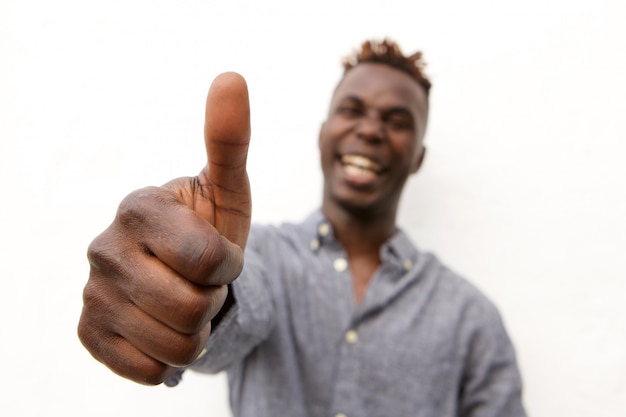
(381, 84)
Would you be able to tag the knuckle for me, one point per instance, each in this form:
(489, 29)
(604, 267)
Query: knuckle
(100, 344)
(102, 253)
(96, 302)
(97, 319)
(91, 296)
(95, 251)
(132, 208)
(87, 334)
(135, 208)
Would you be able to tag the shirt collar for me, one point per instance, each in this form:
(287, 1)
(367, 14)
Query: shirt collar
(398, 249)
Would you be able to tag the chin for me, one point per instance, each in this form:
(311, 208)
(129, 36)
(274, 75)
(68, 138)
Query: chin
(360, 208)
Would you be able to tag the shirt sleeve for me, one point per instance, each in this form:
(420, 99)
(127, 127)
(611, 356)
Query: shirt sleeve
(491, 385)
(247, 324)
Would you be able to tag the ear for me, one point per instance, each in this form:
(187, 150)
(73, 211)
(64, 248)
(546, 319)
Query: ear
(419, 158)
(319, 137)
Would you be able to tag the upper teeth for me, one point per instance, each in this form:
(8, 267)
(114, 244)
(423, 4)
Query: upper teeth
(361, 162)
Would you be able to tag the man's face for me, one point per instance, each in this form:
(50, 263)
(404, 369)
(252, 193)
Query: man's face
(372, 139)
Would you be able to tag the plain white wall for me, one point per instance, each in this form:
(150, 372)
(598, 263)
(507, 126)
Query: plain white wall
(522, 190)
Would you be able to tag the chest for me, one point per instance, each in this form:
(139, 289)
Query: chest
(393, 334)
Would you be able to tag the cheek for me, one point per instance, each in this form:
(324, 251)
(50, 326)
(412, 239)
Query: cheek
(406, 149)
(326, 153)
(329, 137)
(323, 144)
(337, 127)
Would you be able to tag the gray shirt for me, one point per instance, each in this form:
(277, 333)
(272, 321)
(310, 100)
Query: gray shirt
(423, 342)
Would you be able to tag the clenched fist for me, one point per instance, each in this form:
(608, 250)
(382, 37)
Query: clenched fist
(159, 273)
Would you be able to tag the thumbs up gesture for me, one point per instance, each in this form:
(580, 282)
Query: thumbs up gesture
(159, 273)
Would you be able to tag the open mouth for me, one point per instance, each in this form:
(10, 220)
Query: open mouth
(358, 166)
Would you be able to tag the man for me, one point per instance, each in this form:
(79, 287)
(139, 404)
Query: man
(337, 316)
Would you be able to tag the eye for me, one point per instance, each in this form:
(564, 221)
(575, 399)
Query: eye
(349, 110)
(350, 107)
(400, 121)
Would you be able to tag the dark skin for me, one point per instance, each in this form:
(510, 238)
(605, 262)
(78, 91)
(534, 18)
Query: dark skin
(159, 274)
(379, 114)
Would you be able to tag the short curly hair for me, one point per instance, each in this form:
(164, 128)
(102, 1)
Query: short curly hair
(388, 52)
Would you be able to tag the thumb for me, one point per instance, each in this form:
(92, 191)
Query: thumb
(226, 136)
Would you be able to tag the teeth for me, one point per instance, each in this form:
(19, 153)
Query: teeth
(360, 162)
(354, 171)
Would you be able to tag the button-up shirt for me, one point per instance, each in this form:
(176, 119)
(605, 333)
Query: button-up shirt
(422, 342)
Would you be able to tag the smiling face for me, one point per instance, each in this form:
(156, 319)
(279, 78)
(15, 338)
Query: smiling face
(372, 140)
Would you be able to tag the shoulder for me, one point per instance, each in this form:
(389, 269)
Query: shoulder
(264, 237)
(460, 294)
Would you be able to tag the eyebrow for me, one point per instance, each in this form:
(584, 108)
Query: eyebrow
(393, 109)
(399, 109)
(351, 98)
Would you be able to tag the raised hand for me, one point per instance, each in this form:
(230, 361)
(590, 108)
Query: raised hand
(159, 272)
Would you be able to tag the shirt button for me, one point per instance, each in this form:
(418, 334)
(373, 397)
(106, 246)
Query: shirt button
(340, 264)
(352, 336)
(408, 264)
(315, 244)
(204, 351)
(323, 229)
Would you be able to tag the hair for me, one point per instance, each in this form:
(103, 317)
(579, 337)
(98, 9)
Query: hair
(388, 52)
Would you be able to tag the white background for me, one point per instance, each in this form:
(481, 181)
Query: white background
(522, 190)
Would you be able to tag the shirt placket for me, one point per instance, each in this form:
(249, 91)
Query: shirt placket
(346, 401)
(341, 389)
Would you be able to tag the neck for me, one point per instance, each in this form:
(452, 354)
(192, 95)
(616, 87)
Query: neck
(360, 234)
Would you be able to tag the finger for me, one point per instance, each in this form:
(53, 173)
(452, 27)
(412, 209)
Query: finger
(158, 341)
(122, 357)
(227, 136)
(100, 310)
(108, 314)
(177, 236)
(171, 299)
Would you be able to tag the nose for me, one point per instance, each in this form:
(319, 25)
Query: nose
(371, 128)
